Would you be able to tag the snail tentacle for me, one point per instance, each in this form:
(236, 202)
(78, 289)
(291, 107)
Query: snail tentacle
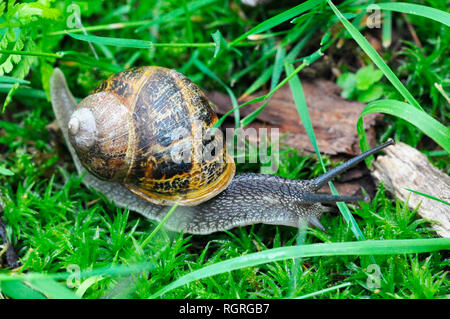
(325, 178)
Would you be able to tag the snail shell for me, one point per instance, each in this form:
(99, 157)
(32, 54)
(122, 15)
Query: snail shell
(148, 128)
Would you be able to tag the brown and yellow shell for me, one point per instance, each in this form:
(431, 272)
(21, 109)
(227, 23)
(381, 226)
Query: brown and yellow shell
(150, 126)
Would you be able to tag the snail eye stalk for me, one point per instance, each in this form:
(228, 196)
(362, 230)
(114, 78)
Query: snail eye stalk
(325, 178)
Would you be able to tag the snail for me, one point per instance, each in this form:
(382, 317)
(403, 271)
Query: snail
(121, 137)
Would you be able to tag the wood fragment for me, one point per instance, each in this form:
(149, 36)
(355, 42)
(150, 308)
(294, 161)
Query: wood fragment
(405, 167)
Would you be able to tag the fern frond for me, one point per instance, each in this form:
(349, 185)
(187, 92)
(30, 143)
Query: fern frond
(20, 33)
(23, 68)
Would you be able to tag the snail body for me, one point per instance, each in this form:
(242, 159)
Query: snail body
(125, 132)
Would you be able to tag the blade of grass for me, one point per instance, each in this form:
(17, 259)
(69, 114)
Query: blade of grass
(435, 153)
(116, 270)
(19, 290)
(135, 43)
(375, 57)
(24, 91)
(255, 100)
(360, 248)
(252, 66)
(109, 26)
(302, 108)
(5, 171)
(277, 66)
(12, 80)
(321, 292)
(157, 228)
(132, 59)
(278, 19)
(417, 9)
(424, 122)
(296, 262)
(387, 29)
(429, 196)
(298, 47)
(81, 290)
(259, 82)
(53, 289)
(348, 216)
(32, 53)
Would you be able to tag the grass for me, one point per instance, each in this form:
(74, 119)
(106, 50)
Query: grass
(61, 229)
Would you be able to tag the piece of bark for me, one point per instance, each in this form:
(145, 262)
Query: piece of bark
(333, 118)
(405, 167)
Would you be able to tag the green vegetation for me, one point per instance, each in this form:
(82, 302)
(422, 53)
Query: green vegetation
(361, 85)
(59, 227)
